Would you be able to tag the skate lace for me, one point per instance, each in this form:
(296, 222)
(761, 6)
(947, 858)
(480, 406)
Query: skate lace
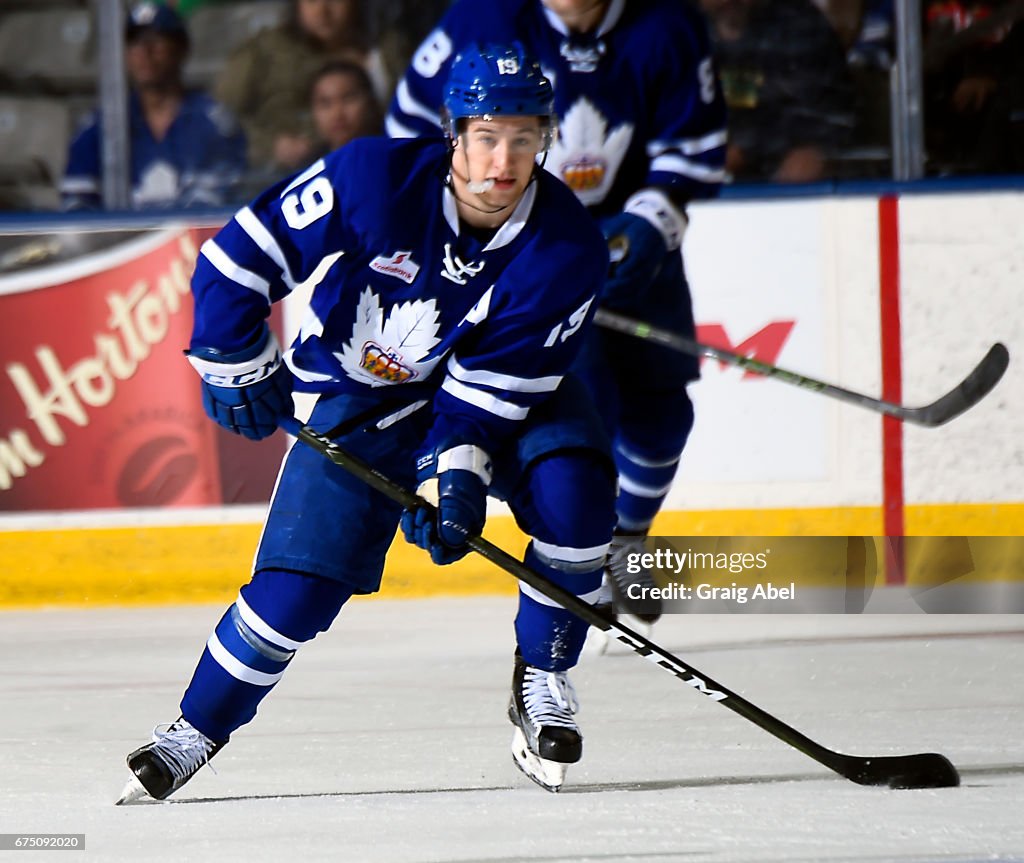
(618, 561)
(549, 697)
(182, 748)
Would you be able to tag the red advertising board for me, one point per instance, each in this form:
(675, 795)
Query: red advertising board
(98, 408)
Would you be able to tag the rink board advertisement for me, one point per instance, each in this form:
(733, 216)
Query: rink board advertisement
(100, 409)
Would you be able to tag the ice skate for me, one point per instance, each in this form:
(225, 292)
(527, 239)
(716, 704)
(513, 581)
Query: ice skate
(625, 592)
(160, 768)
(546, 739)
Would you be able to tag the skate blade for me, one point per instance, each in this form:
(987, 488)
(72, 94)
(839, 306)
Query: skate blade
(549, 775)
(133, 792)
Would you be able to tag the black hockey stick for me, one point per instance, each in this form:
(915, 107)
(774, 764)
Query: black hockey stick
(964, 395)
(926, 770)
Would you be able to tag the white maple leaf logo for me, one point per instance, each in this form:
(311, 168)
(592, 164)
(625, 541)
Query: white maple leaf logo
(585, 155)
(391, 352)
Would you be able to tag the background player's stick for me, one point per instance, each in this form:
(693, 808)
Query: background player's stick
(964, 395)
(925, 770)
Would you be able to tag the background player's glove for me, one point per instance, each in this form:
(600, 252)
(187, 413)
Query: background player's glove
(639, 237)
(455, 480)
(246, 392)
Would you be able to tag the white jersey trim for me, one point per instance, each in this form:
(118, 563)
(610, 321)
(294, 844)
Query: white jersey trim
(413, 108)
(259, 234)
(688, 168)
(690, 146)
(230, 270)
(396, 129)
(484, 401)
(501, 381)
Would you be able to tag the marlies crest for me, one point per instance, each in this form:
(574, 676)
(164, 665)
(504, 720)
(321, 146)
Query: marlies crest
(391, 351)
(585, 155)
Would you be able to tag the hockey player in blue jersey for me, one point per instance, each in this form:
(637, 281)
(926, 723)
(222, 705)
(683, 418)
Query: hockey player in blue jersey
(461, 279)
(641, 131)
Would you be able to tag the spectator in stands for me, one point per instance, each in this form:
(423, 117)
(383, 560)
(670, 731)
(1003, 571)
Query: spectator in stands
(786, 85)
(266, 80)
(415, 18)
(186, 150)
(1000, 147)
(343, 105)
(971, 53)
(187, 7)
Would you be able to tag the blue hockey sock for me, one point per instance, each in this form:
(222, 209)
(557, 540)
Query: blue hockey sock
(252, 645)
(643, 484)
(548, 636)
(647, 456)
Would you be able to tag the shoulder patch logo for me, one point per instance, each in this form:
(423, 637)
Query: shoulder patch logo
(400, 265)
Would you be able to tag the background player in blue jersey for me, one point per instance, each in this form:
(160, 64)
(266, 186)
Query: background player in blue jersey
(461, 279)
(641, 131)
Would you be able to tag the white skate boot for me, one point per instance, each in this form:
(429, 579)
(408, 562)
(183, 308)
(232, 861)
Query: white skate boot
(546, 739)
(160, 768)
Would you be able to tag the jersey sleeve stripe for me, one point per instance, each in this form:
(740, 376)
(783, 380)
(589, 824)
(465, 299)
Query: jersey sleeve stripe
(502, 381)
(688, 168)
(484, 401)
(690, 146)
(409, 105)
(397, 130)
(265, 241)
(229, 269)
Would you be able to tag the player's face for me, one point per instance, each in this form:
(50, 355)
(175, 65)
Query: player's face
(502, 150)
(578, 14)
(342, 109)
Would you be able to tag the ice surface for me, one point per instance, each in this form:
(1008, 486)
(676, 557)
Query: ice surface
(387, 741)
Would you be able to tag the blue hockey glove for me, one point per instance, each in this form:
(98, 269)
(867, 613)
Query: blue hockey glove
(248, 391)
(639, 237)
(455, 481)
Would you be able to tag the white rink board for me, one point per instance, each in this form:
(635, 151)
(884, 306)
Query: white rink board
(963, 289)
(759, 442)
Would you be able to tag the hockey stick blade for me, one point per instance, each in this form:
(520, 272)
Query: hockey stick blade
(978, 384)
(928, 770)
(925, 770)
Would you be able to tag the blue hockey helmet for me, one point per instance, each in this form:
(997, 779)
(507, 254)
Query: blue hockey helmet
(497, 80)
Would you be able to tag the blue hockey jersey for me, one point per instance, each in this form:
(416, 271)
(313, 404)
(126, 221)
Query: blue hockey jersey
(637, 100)
(412, 306)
